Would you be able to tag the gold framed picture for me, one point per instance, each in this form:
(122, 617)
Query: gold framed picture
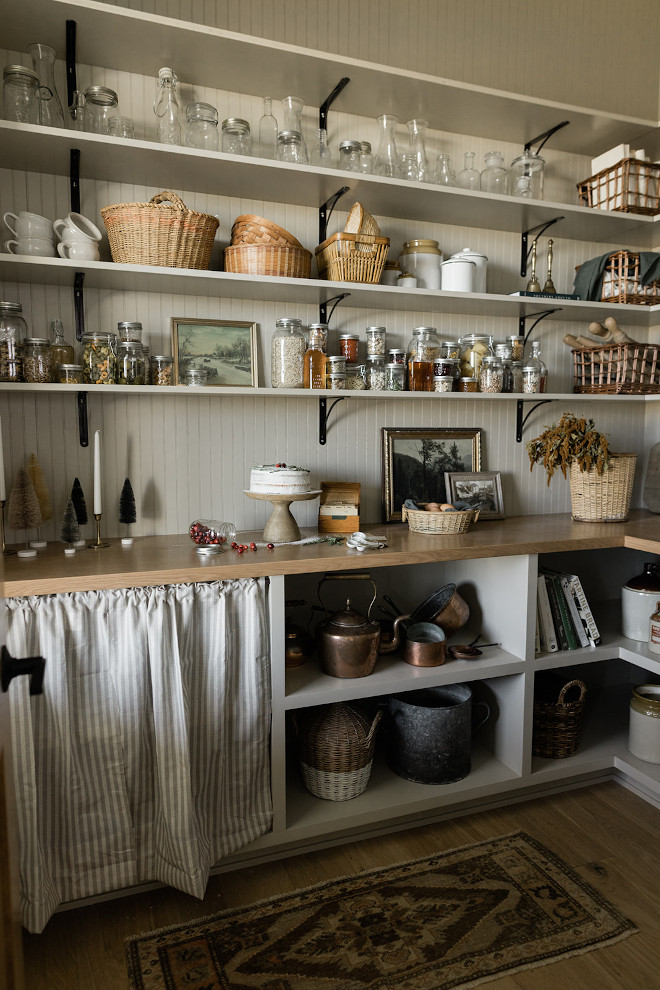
(479, 489)
(225, 349)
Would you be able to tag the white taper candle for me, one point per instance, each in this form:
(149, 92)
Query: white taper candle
(97, 473)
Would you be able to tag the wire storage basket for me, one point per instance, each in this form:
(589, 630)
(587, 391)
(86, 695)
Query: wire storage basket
(630, 186)
(336, 750)
(161, 232)
(422, 521)
(558, 718)
(617, 369)
(603, 497)
(352, 257)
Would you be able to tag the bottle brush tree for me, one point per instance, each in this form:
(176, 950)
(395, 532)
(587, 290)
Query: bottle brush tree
(41, 489)
(23, 511)
(70, 531)
(127, 514)
(79, 504)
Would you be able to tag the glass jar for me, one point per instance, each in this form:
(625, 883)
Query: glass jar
(291, 148)
(128, 331)
(69, 374)
(314, 361)
(421, 358)
(292, 108)
(37, 367)
(287, 349)
(162, 369)
(516, 371)
(60, 351)
(366, 158)
(396, 355)
(444, 173)
(349, 156)
(536, 358)
(236, 138)
(336, 364)
(443, 383)
(526, 177)
(121, 127)
(202, 127)
(468, 383)
(502, 350)
(469, 176)
(447, 367)
(335, 380)
(20, 94)
(210, 534)
(395, 376)
(100, 106)
(13, 330)
(356, 376)
(531, 378)
(376, 337)
(517, 342)
(495, 177)
(375, 372)
(99, 358)
(450, 348)
(348, 346)
(130, 364)
(474, 347)
(408, 168)
(490, 374)
(507, 375)
(194, 375)
(322, 329)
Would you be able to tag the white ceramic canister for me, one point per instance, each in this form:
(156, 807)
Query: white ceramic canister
(481, 261)
(422, 258)
(391, 272)
(644, 725)
(639, 596)
(458, 275)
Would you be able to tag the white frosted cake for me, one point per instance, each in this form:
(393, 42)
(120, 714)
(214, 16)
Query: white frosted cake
(279, 479)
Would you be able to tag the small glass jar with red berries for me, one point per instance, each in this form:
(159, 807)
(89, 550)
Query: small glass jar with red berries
(211, 536)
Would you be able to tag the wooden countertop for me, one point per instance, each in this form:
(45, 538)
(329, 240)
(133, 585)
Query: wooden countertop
(154, 560)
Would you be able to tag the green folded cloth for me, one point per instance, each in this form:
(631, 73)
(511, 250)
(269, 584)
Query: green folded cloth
(588, 282)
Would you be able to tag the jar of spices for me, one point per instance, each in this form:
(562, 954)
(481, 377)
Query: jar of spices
(37, 360)
(395, 377)
(490, 374)
(287, 349)
(503, 350)
(376, 337)
(20, 94)
(517, 343)
(236, 138)
(396, 355)
(130, 363)
(350, 156)
(375, 372)
(468, 384)
(13, 329)
(202, 127)
(130, 331)
(70, 374)
(450, 348)
(335, 380)
(100, 106)
(356, 376)
(443, 383)
(162, 369)
(99, 358)
(348, 346)
(474, 347)
(516, 372)
(336, 365)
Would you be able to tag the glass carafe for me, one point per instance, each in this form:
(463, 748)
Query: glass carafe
(167, 109)
(51, 113)
(469, 177)
(444, 173)
(387, 160)
(267, 131)
(417, 145)
(494, 178)
(322, 154)
(293, 108)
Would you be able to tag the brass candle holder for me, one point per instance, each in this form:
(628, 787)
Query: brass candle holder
(100, 544)
(533, 285)
(2, 529)
(549, 286)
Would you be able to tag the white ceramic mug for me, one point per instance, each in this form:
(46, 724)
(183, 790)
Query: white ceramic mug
(41, 247)
(76, 227)
(24, 224)
(79, 250)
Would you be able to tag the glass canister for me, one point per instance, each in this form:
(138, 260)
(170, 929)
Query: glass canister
(356, 376)
(422, 257)
(292, 108)
(375, 368)
(99, 358)
(490, 374)
(443, 383)
(291, 148)
(468, 383)
(322, 330)
(366, 158)
(13, 330)
(236, 137)
(495, 176)
(395, 377)
(69, 374)
(202, 127)
(376, 338)
(421, 358)
(531, 377)
(130, 364)
(451, 348)
(287, 349)
(335, 380)
(130, 331)
(350, 156)
(37, 365)
(336, 364)
(20, 94)
(100, 106)
(397, 355)
(517, 342)
(348, 346)
(162, 369)
(526, 176)
(194, 375)
(474, 347)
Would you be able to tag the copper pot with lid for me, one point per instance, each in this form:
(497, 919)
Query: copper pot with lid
(349, 643)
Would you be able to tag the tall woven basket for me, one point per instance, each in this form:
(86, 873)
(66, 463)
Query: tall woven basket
(161, 232)
(336, 750)
(558, 720)
(603, 497)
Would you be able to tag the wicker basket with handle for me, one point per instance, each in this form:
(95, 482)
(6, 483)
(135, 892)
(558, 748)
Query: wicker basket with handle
(336, 750)
(352, 258)
(161, 232)
(442, 523)
(558, 720)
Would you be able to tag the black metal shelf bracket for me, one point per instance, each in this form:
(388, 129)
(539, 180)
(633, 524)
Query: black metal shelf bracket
(324, 412)
(325, 212)
(83, 429)
(78, 307)
(327, 103)
(71, 86)
(522, 329)
(525, 250)
(544, 137)
(324, 317)
(521, 420)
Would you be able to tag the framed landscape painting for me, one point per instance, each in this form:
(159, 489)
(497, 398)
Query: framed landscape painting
(414, 463)
(481, 490)
(226, 349)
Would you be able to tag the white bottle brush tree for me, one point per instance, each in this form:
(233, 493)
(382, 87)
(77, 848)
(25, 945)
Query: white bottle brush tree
(23, 511)
(36, 476)
(127, 514)
(70, 530)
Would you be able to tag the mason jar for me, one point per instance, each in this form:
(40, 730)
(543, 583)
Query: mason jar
(100, 106)
(20, 94)
(37, 364)
(13, 330)
(131, 331)
(335, 380)
(130, 364)
(474, 347)
(395, 376)
(202, 127)
(376, 337)
(236, 138)
(375, 371)
(336, 364)
(195, 376)
(99, 358)
(70, 374)
(356, 376)
(162, 369)
(348, 346)
(350, 156)
(490, 374)
(287, 349)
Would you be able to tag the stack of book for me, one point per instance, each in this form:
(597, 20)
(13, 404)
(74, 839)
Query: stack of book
(564, 620)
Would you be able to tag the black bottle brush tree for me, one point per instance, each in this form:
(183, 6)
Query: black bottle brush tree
(70, 530)
(127, 514)
(79, 504)
(36, 476)
(23, 510)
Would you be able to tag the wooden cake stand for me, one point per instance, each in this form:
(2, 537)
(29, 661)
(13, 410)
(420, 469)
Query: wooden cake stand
(281, 527)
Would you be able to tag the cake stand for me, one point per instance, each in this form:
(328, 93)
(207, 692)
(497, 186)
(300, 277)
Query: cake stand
(281, 527)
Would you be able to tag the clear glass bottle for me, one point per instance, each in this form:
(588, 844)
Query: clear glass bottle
(167, 108)
(314, 361)
(417, 143)
(526, 179)
(202, 127)
(162, 369)
(77, 111)
(349, 156)
(444, 173)
(130, 363)
(290, 148)
(366, 158)
(267, 131)
(292, 107)
(322, 154)
(100, 106)
(536, 356)
(474, 348)
(494, 177)
(469, 177)
(236, 137)
(20, 94)
(387, 160)
(51, 113)
(490, 374)
(99, 358)
(375, 369)
(37, 365)
(421, 358)
(13, 330)
(287, 350)
(61, 352)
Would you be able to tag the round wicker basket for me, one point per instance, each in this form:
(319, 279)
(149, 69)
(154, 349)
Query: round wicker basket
(603, 497)
(336, 749)
(268, 259)
(439, 523)
(252, 229)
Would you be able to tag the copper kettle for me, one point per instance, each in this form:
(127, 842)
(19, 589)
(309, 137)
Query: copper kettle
(349, 643)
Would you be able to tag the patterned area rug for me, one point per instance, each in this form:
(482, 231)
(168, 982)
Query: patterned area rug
(453, 920)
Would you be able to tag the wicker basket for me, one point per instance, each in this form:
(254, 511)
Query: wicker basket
(630, 186)
(603, 497)
(421, 521)
(161, 232)
(352, 258)
(617, 369)
(268, 259)
(251, 229)
(622, 284)
(558, 720)
(361, 222)
(336, 750)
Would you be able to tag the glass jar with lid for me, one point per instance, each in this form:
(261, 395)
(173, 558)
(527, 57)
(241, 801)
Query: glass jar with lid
(194, 375)
(495, 176)
(130, 363)
(335, 380)
(450, 348)
(37, 366)
(376, 338)
(130, 331)
(291, 148)
(336, 364)
(202, 127)
(287, 349)
(395, 377)
(490, 374)
(421, 358)
(468, 383)
(507, 375)
(322, 330)
(349, 156)
(100, 106)
(474, 347)
(69, 374)
(516, 372)
(99, 358)
(60, 351)
(348, 346)
(396, 355)
(13, 330)
(356, 376)
(526, 176)
(366, 158)
(162, 369)
(517, 342)
(502, 350)
(20, 94)
(236, 137)
(375, 368)
(314, 360)
(443, 383)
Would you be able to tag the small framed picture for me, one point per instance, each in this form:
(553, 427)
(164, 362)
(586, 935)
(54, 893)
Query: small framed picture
(480, 489)
(226, 349)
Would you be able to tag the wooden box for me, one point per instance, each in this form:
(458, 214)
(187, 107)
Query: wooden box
(339, 509)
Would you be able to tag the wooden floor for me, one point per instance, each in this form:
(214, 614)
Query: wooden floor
(607, 834)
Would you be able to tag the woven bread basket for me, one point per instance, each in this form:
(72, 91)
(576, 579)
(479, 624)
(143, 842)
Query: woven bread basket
(268, 259)
(161, 232)
(252, 229)
(558, 720)
(336, 749)
(352, 258)
(361, 222)
(603, 497)
(440, 523)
